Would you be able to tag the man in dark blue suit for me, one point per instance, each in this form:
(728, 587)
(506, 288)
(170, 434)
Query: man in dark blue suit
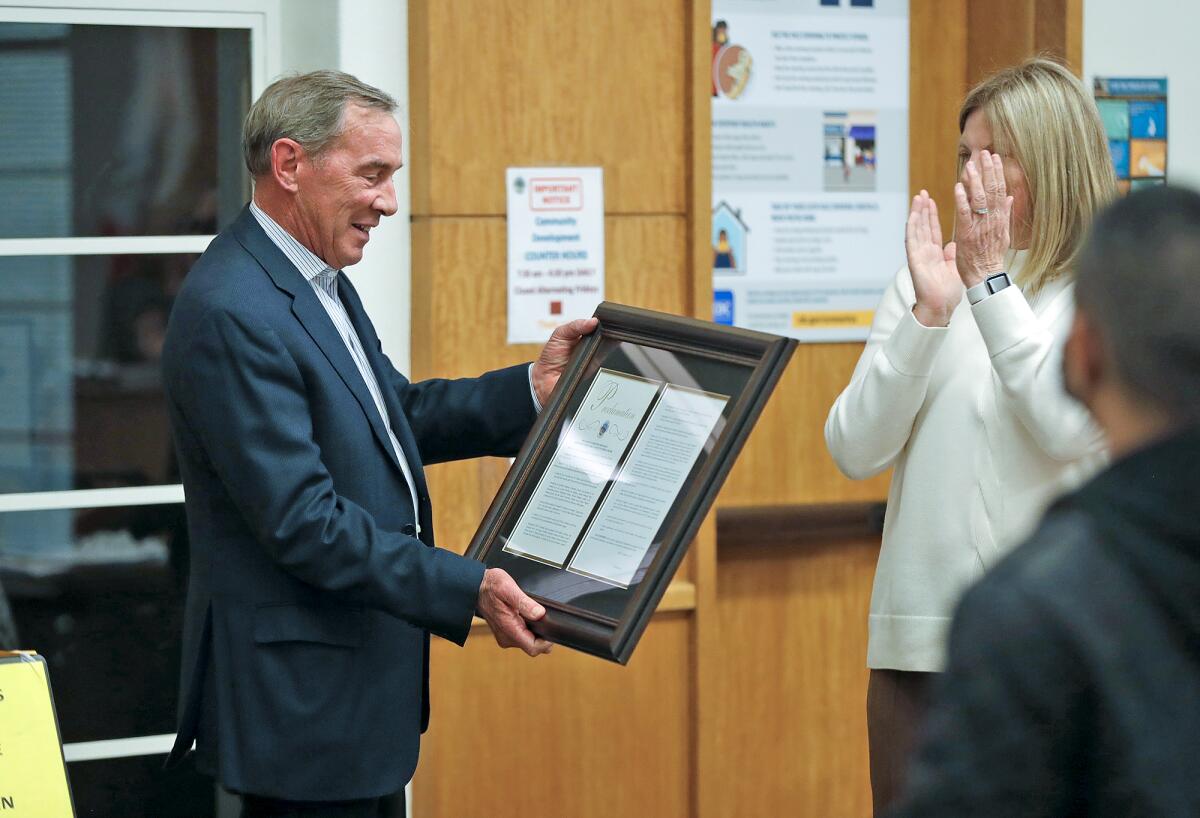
(314, 580)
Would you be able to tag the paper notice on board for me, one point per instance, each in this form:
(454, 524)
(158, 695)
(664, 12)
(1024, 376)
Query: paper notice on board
(810, 163)
(555, 248)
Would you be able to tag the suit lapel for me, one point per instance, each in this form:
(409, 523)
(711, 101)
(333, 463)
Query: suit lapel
(370, 343)
(316, 322)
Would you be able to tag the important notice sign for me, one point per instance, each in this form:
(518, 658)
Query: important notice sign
(555, 248)
(33, 775)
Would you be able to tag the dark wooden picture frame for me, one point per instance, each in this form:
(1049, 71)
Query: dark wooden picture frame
(742, 366)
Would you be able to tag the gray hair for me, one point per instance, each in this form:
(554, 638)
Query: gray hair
(1137, 282)
(307, 108)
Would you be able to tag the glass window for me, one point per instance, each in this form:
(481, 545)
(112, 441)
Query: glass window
(81, 401)
(121, 130)
(53, 554)
(98, 592)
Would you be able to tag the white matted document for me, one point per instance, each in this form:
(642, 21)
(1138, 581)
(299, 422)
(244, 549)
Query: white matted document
(585, 461)
(649, 482)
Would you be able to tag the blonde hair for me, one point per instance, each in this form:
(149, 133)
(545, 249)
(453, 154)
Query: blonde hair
(1041, 115)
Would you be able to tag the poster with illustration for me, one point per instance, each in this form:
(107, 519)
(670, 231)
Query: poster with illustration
(1134, 111)
(810, 162)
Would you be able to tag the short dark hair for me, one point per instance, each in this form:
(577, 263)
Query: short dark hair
(307, 108)
(1139, 283)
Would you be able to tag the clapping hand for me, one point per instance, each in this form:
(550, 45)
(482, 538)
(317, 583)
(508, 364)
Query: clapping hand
(982, 212)
(932, 266)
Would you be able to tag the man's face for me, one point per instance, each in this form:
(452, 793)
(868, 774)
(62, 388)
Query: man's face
(345, 191)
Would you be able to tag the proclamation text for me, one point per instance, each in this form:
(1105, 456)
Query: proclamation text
(649, 482)
(585, 460)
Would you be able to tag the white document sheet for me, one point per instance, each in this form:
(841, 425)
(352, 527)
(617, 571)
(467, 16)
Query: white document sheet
(666, 449)
(586, 459)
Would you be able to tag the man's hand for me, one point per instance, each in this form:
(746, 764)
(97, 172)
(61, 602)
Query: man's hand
(507, 609)
(555, 355)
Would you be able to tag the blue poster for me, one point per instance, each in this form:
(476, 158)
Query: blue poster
(1119, 149)
(1134, 112)
(1147, 119)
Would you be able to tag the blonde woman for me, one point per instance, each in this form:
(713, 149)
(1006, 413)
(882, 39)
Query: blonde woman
(959, 387)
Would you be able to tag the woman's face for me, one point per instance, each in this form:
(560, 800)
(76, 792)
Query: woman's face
(977, 136)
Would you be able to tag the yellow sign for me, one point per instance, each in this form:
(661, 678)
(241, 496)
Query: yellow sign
(33, 775)
(832, 319)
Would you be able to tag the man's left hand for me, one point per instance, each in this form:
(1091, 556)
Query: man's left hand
(555, 355)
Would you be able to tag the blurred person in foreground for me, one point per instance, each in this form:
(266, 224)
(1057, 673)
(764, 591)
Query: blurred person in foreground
(1073, 682)
(959, 389)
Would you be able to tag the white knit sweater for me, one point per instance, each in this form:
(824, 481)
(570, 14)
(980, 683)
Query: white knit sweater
(982, 436)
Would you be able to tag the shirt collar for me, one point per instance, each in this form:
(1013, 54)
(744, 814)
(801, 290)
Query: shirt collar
(309, 265)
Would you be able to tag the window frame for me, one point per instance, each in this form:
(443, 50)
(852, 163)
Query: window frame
(263, 19)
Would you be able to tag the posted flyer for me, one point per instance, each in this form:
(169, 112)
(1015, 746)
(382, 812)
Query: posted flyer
(810, 163)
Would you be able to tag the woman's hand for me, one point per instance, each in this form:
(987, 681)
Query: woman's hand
(983, 209)
(934, 276)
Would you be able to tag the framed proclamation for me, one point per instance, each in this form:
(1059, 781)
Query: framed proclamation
(621, 467)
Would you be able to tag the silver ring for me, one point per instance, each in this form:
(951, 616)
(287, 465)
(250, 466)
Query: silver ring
(981, 211)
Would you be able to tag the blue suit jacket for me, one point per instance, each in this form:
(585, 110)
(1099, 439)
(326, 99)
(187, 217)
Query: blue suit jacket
(310, 600)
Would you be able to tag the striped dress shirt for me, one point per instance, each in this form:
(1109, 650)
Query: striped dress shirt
(324, 279)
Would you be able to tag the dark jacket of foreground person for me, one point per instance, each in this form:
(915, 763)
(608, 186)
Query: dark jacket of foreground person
(1073, 685)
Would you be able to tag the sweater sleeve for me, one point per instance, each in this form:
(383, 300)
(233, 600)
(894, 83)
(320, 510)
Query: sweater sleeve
(872, 418)
(1026, 353)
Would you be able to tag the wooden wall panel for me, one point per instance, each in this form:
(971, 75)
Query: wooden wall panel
(1073, 45)
(937, 84)
(561, 735)
(997, 32)
(549, 82)
(1003, 34)
(552, 82)
(790, 717)
(785, 460)
(707, 759)
(699, 158)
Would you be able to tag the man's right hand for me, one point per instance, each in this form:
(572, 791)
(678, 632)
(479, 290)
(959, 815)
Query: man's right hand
(508, 610)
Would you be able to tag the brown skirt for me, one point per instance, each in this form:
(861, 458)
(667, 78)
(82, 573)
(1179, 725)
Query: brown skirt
(896, 703)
